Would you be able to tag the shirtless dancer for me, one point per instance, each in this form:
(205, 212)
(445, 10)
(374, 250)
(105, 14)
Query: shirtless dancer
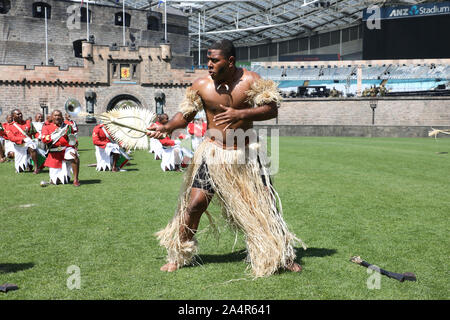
(224, 97)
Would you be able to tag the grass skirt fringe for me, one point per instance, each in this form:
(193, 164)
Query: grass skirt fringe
(247, 204)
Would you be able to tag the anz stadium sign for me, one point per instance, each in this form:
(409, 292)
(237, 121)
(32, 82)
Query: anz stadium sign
(418, 10)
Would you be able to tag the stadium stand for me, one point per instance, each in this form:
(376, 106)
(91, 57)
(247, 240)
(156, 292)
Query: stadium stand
(397, 79)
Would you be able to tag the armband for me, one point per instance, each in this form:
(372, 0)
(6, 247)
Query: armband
(263, 92)
(192, 102)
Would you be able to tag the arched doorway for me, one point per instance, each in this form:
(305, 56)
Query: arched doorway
(123, 100)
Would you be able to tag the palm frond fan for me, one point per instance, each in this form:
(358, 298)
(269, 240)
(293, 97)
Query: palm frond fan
(128, 126)
(435, 132)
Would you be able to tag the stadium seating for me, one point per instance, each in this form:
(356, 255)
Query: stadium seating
(396, 78)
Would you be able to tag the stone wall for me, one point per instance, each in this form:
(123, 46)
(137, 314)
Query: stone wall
(417, 111)
(24, 88)
(26, 97)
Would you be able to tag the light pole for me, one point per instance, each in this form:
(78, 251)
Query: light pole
(373, 106)
(44, 106)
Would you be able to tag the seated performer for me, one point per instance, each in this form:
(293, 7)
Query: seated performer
(2, 144)
(8, 145)
(108, 153)
(197, 130)
(155, 145)
(62, 159)
(21, 133)
(38, 123)
(173, 155)
(71, 122)
(170, 158)
(232, 98)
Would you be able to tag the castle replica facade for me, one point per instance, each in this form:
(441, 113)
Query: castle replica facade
(48, 59)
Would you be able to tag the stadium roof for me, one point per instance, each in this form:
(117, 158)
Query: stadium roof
(263, 21)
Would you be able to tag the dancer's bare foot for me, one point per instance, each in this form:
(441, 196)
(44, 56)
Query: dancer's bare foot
(169, 267)
(294, 267)
(76, 183)
(115, 169)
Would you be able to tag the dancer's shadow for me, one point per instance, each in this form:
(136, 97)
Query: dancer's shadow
(222, 258)
(14, 267)
(313, 252)
(241, 255)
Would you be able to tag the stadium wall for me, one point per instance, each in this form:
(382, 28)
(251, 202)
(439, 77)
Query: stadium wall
(398, 111)
(394, 117)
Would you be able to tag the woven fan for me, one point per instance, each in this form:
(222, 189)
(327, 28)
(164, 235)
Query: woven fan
(128, 126)
(435, 132)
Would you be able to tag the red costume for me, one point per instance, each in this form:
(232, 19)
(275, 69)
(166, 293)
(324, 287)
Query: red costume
(198, 131)
(3, 130)
(72, 124)
(16, 136)
(167, 142)
(54, 158)
(99, 137)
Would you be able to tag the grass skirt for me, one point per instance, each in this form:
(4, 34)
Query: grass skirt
(247, 204)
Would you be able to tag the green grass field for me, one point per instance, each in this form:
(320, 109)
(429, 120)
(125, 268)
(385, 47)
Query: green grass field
(385, 199)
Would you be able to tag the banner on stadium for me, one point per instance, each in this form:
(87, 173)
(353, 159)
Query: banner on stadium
(417, 10)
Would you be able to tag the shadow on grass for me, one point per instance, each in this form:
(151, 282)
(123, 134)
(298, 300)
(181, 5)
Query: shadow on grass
(222, 258)
(130, 164)
(14, 267)
(92, 181)
(313, 252)
(241, 255)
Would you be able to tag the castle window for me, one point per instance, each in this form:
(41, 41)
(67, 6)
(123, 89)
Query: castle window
(153, 23)
(39, 10)
(84, 14)
(5, 6)
(78, 48)
(118, 20)
(114, 70)
(171, 28)
(134, 73)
